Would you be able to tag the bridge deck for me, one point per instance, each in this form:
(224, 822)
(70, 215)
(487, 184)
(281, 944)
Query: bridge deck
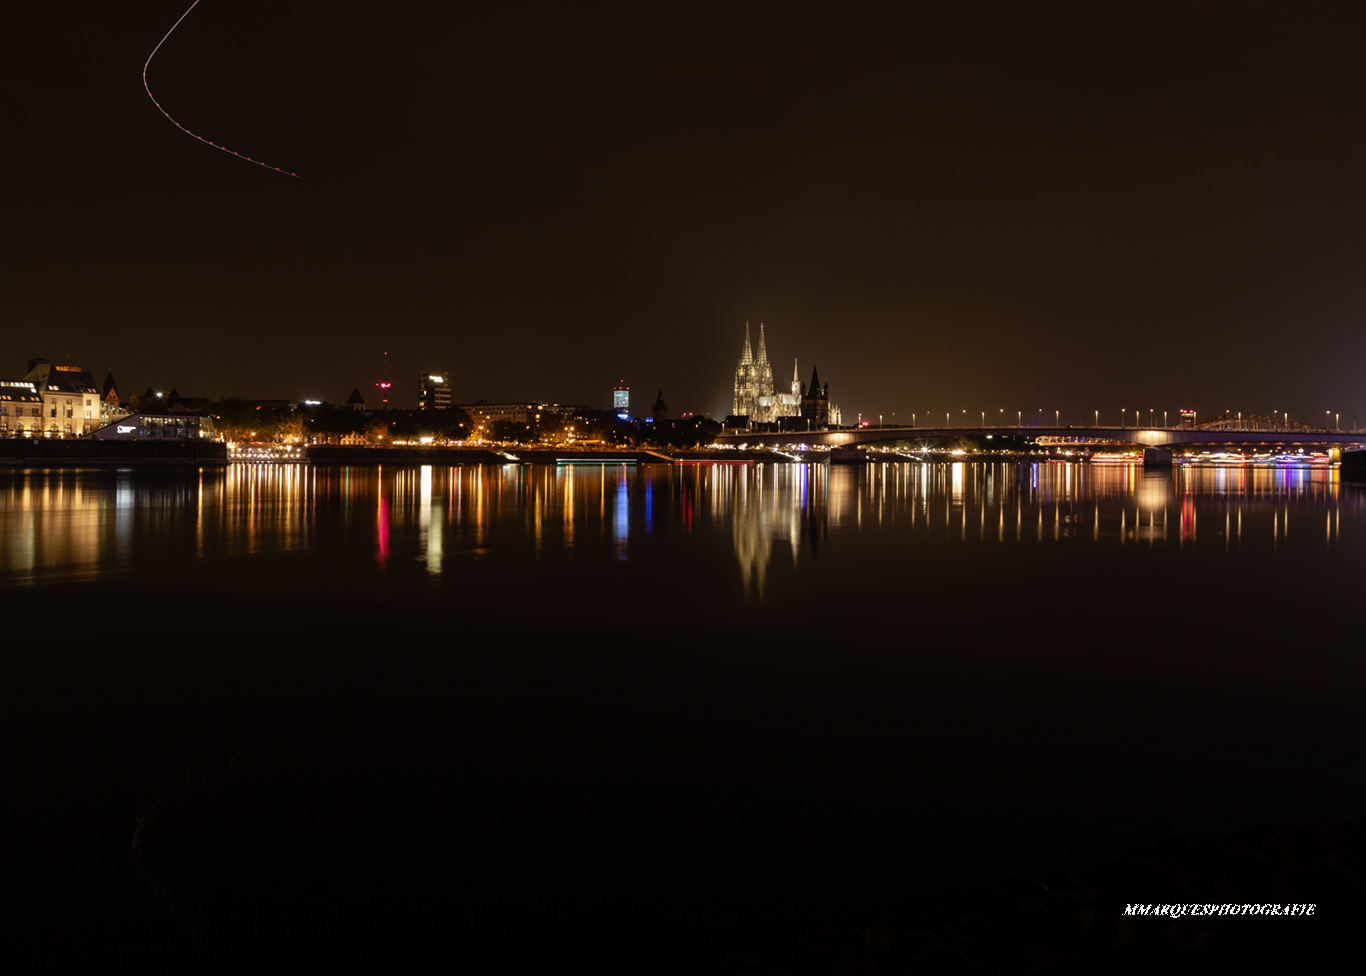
(1144, 436)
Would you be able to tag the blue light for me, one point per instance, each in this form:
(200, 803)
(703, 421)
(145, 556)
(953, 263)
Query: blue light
(623, 416)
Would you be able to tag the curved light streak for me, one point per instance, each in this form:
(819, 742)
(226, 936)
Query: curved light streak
(177, 124)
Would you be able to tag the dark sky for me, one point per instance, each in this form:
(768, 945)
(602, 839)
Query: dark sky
(1079, 208)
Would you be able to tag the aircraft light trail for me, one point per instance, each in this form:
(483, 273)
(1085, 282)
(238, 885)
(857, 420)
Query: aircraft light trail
(177, 124)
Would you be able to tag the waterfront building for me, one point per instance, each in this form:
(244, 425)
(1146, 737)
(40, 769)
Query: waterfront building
(484, 414)
(621, 398)
(70, 406)
(152, 426)
(433, 390)
(21, 409)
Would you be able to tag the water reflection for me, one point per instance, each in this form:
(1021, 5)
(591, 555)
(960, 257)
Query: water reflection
(62, 525)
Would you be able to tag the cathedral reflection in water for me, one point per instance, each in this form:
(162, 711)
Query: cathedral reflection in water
(674, 519)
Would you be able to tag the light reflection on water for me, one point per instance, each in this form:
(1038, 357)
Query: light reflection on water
(74, 525)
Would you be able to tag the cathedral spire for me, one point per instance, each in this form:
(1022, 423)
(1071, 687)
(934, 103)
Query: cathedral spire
(763, 356)
(747, 357)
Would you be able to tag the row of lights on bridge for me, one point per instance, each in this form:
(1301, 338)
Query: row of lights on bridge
(1336, 418)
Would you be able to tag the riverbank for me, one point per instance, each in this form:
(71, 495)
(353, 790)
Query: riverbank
(86, 452)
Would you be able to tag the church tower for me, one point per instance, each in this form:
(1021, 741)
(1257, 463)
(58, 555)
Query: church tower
(743, 404)
(763, 376)
(816, 403)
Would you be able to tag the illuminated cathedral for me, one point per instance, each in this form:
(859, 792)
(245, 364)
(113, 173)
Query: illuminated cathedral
(756, 398)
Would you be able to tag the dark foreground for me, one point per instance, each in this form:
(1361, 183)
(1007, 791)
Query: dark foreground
(310, 782)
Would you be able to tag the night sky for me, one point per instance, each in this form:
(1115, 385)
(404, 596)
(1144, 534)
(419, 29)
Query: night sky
(1078, 208)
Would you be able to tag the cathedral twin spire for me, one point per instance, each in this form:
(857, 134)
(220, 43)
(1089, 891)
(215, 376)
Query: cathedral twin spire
(755, 396)
(748, 357)
(756, 399)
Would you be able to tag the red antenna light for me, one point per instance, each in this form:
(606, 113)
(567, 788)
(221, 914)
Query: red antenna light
(384, 384)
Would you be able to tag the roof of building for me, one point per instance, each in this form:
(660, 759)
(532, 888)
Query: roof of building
(19, 390)
(49, 378)
(356, 397)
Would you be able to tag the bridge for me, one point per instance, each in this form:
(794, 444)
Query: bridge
(1156, 441)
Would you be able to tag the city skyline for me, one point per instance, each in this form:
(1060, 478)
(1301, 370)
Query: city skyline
(1067, 211)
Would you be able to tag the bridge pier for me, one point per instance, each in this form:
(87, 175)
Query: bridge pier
(1157, 457)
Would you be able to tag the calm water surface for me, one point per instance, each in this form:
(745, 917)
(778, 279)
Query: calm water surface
(746, 535)
(687, 693)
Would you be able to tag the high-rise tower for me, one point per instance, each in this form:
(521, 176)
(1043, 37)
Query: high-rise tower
(434, 389)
